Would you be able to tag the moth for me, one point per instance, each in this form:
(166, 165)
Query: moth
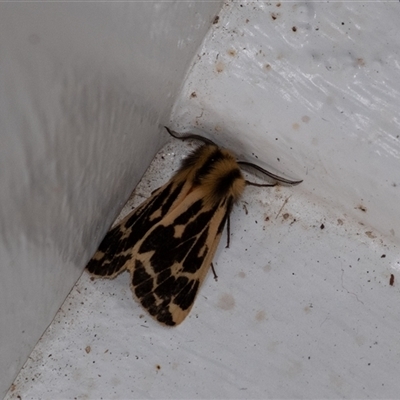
(168, 242)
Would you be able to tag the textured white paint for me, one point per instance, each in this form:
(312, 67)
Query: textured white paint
(320, 103)
(303, 307)
(84, 89)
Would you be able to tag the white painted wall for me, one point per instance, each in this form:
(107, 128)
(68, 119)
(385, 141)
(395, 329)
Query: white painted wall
(312, 89)
(84, 91)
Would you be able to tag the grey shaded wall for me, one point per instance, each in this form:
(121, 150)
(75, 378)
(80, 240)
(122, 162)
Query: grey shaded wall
(84, 91)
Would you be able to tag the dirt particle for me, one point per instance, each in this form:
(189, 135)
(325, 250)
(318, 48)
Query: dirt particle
(362, 208)
(285, 216)
(370, 234)
(226, 302)
(219, 67)
(307, 309)
(360, 62)
(391, 281)
(261, 316)
(232, 52)
(158, 367)
(340, 221)
(268, 67)
(294, 29)
(88, 349)
(322, 226)
(278, 4)
(193, 95)
(216, 19)
(383, 256)
(267, 268)
(274, 16)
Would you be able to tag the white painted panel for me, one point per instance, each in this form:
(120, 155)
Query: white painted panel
(84, 90)
(312, 89)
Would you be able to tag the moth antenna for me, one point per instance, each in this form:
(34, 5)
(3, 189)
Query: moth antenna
(249, 183)
(267, 173)
(240, 162)
(189, 136)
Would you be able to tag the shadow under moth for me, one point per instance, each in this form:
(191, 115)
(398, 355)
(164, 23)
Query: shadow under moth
(168, 242)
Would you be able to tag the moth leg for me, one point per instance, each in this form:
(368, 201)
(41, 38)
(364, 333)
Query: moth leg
(228, 231)
(213, 270)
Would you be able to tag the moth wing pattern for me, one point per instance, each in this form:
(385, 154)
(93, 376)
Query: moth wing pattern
(169, 241)
(174, 258)
(114, 254)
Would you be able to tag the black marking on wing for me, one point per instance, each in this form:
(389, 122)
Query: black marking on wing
(169, 199)
(181, 291)
(168, 248)
(164, 285)
(141, 222)
(186, 296)
(158, 310)
(140, 276)
(193, 210)
(193, 261)
(109, 259)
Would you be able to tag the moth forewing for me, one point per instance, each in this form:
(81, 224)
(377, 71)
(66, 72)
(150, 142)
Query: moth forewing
(179, 274)
(168, 242)
(114, 254)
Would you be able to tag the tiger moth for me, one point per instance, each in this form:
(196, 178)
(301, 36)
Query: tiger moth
(169, 241)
